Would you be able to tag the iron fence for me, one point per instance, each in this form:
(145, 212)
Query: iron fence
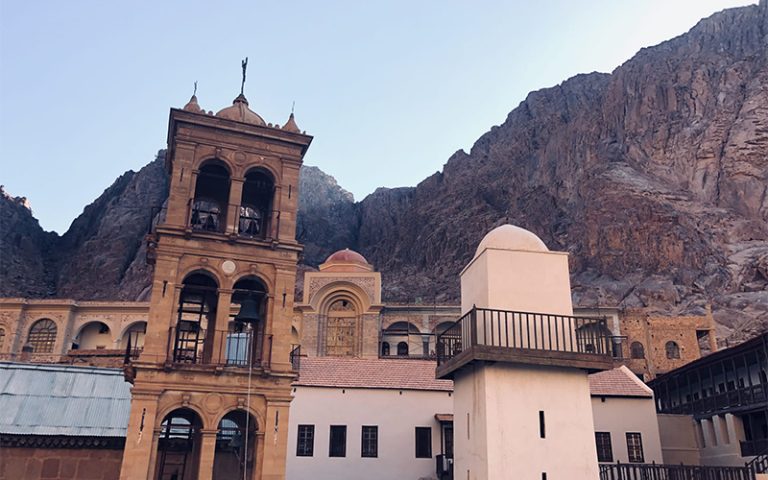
(652, 471)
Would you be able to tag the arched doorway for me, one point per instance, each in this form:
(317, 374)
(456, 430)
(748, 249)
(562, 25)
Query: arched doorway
(178, 446)
(234, 458)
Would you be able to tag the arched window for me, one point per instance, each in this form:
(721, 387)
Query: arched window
(2, 338)
(209, 207)
(341, 329)
(197, 308)
(402, 349)
(673, 350)
(234, 447)
(384, 349)
(178, 445)
(636, 350)
(256, 204)
(42, 336)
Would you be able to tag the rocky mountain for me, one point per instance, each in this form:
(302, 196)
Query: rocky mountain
(653, 177)
(100, 257)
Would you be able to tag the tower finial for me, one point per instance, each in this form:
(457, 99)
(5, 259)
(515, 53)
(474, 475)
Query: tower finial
(244, 64)
(293, 106)
(194, 92)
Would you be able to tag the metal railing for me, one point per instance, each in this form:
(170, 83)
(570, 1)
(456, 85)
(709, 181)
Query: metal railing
(526, 331)
(752, 448)
(760, 463)
(132, 347)
(652, 471)
(221, 347)
(208, 220)
(295, 357)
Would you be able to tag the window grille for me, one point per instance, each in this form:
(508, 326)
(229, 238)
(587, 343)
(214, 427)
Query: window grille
(423, 442)
(635, 447)
(42, 336)
(604, 448)
(305, 444)
(370, 441)
(338, 441)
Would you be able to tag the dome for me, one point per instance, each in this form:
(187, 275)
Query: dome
(240, 112)
(346, 256)
(510, 237)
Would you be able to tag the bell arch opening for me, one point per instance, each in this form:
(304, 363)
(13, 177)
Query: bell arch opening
(247, 317)
(209, 207)
(196, 312)
(256, 204)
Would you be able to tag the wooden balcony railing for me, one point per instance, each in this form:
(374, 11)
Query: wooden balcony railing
(526, 337)
(738, 397)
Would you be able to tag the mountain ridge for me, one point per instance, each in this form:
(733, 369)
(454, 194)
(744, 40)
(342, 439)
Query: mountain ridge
(653, 177)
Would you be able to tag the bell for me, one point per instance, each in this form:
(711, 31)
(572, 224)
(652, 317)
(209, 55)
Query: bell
(249, 311)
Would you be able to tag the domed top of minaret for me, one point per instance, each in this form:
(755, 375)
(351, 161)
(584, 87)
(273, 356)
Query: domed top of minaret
(290, 125)
(240, 112)
(192, 105)
(510, 237)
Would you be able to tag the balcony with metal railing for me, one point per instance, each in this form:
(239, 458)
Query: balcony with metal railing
(222, 348)
(528, 338)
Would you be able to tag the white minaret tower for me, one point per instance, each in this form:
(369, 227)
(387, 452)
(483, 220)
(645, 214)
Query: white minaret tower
(519, 361)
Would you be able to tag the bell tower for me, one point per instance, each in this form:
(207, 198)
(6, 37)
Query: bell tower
(212, 385)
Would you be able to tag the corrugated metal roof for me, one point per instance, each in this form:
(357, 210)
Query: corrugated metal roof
(63, 400)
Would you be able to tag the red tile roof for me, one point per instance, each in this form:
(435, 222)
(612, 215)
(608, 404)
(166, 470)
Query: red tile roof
(401, 374)
(396, 374)
(619, 382)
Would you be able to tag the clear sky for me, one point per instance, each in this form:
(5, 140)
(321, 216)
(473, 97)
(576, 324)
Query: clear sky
(388, 89)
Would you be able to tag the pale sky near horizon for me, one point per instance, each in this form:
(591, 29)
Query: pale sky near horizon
(389, 90)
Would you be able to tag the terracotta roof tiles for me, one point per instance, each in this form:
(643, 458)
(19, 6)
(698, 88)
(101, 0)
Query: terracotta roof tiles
(405, 374)
(397, 374)
(619, 382)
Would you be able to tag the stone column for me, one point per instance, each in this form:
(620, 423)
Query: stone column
(207, 454)
(139, 436)
(216, 340)
(233, 209)
(182, 185)
(258, 457)
(275, 442)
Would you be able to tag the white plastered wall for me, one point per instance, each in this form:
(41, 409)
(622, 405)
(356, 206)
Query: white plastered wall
(396, 412)
(619, 415)
(504, 400)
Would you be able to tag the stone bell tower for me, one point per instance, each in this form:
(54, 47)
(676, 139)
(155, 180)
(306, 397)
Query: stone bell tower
(212, 385)
(519, 361)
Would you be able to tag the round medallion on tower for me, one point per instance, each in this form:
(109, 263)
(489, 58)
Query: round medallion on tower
(510, 237)
(240, 112)
(346, 260)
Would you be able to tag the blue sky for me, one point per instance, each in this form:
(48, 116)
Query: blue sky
(389, 89)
